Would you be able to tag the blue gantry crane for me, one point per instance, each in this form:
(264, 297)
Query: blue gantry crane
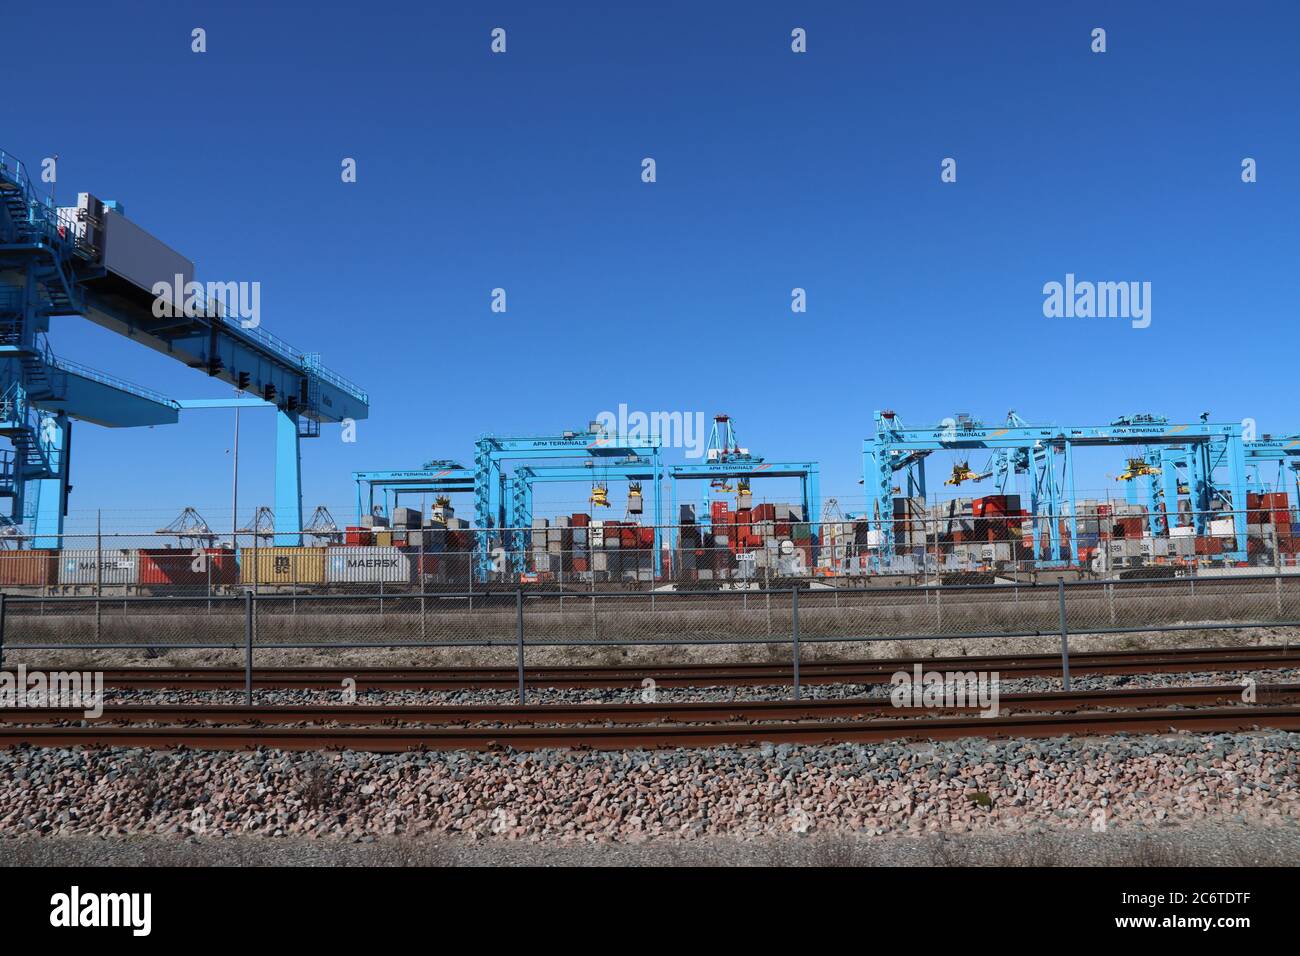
(493, 508)
(91, 261)
(725, 460)
(634, 468)
(1195, 471)
(896, 447)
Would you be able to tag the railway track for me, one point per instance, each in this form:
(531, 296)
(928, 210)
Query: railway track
(621, 737)
(686, 712)
(870, 671)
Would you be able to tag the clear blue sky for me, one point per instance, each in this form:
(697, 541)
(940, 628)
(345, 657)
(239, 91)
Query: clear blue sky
(775, 171)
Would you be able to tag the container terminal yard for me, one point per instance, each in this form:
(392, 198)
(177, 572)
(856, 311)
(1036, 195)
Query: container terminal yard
(1006, 637)
(753, 622)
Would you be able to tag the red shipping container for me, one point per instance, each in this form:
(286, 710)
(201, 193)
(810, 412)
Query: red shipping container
(764, 513)
(580, 520)
(646, 537)
(358, 537)
(180, 566)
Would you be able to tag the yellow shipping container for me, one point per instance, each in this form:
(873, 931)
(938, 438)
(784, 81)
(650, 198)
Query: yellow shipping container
(282, 566)
(383, 539)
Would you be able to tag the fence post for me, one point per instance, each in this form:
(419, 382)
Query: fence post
(1065, 636)
(248, 646)
(2, 628)
(1277, 581)
(794, 630)
(767, 592)
(99, 574)
(519, 639)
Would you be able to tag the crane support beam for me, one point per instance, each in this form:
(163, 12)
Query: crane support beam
(288, 480)
(48, 497)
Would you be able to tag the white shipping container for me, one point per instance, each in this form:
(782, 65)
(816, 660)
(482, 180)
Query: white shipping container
(367, 566)
(137, 256)
(1223, 528)
(88, 566)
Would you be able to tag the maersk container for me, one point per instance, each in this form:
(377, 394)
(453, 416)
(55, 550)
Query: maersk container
(367, 566)
(87, 566)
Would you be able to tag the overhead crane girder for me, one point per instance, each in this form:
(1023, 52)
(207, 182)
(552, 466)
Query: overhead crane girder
(443, 478)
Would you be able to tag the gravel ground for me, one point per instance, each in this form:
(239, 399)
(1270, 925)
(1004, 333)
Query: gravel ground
(597, 654)
(1193, 845)
(973, 787)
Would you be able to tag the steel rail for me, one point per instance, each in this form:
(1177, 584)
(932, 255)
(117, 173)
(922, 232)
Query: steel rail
(616, 737)
(693, 711)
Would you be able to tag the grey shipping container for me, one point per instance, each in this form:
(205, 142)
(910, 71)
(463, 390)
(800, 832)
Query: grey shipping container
(88, 566)
(367, 566)
(406, 518)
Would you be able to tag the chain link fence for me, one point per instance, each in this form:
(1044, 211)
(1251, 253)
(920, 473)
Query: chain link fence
(562, 619)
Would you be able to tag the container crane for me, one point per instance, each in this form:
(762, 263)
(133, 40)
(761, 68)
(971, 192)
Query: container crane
(89, 260)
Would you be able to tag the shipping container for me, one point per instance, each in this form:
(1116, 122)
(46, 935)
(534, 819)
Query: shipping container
(282, 565)
(115, 566)
(34, 567)
(162, 566)
(367, 566)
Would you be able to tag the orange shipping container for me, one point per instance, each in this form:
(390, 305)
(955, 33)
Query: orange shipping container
(35, 567)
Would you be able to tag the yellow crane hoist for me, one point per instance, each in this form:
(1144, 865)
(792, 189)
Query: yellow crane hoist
(1137, 468)
(961, 472)
(599, 496)
(634, 499)
(441, 505)
(743, 498)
